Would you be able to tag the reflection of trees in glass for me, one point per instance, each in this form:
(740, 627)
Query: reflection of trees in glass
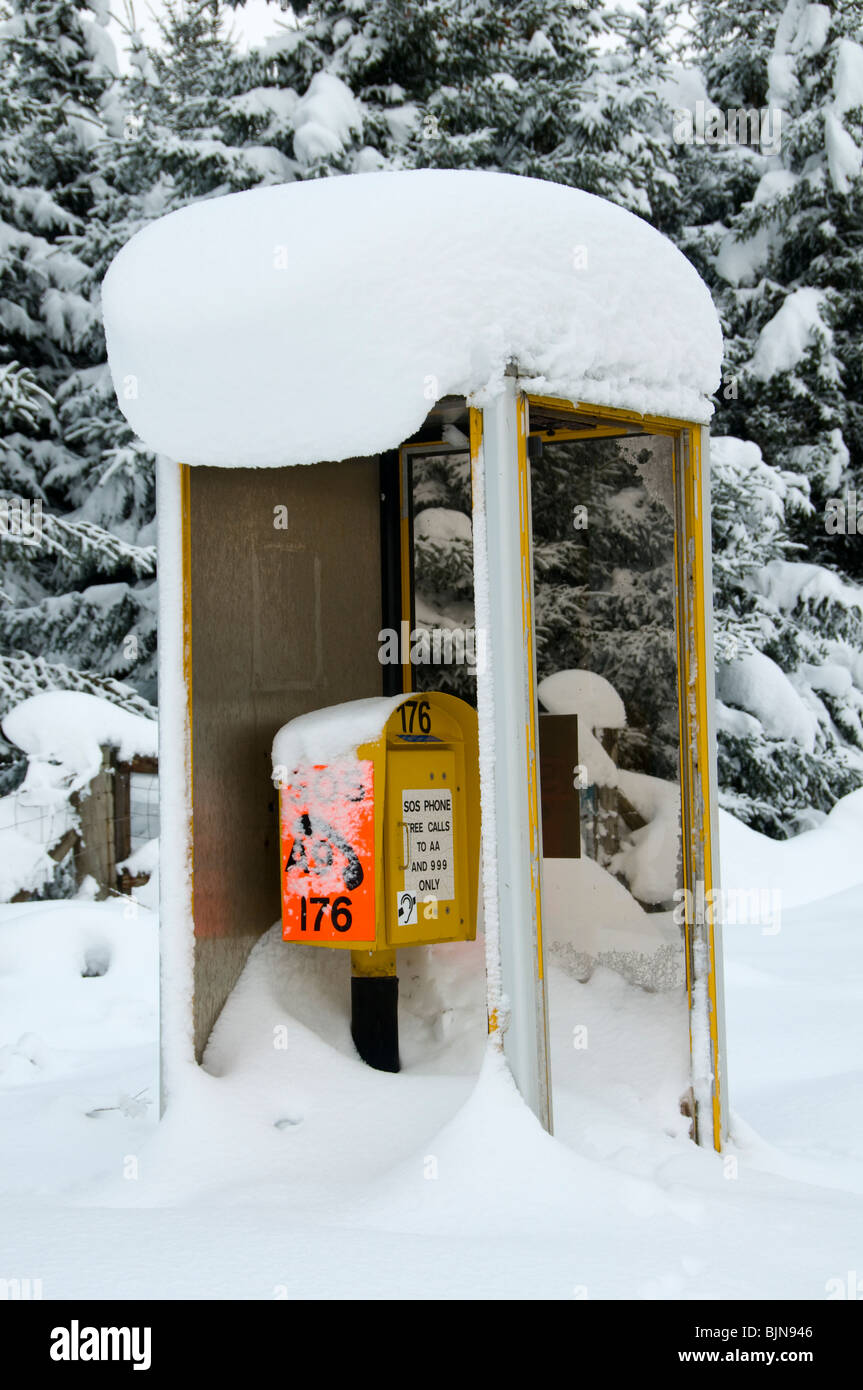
(604, 590)
(443, 564)
(605, 584)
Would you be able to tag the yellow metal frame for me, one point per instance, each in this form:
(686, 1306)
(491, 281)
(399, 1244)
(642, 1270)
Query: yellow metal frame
(527, 609)
(694, 744)
(691, 605)
(186, 549)
(186, 528)
(652, 424)
(475, 434)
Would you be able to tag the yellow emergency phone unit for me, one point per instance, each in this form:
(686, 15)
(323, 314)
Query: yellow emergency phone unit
(431, 822)
(380, 850)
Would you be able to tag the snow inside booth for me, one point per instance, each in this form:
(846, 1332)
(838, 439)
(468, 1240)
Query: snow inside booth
(436, 432)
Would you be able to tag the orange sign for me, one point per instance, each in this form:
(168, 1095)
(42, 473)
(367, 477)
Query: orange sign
(327, 817)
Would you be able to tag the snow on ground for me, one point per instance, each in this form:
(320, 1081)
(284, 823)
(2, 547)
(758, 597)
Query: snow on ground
(817, 864)
(295, 1171)
(78, 984)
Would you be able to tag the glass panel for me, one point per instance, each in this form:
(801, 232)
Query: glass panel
(604, 577)
(444, 647)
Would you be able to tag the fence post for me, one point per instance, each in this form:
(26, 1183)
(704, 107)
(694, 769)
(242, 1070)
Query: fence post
(123, 817)
(97, 854)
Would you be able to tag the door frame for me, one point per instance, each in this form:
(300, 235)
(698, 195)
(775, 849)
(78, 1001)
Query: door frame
(507, 702)
(697, 722)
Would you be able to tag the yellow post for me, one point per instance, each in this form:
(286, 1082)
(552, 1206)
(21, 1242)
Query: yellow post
(373, 965)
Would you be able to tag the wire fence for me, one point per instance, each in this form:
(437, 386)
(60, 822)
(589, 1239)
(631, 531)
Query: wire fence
(104, 833)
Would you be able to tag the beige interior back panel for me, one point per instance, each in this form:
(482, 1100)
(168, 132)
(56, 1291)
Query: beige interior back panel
(283, 621)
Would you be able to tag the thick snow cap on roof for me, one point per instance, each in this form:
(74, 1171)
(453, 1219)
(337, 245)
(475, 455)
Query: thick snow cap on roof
(322, 319)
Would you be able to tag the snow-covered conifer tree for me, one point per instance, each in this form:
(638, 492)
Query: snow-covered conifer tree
(776, 232)
(76, 582)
